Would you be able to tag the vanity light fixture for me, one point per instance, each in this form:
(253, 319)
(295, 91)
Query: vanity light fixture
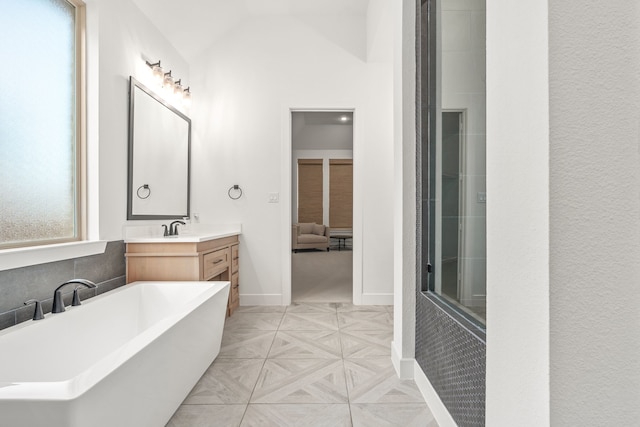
(167, 81)
(186, 95)
(177, 87)
(156, 69)
(344, 118)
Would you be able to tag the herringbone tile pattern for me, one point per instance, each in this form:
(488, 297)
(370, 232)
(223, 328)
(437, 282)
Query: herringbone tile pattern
(310, 365)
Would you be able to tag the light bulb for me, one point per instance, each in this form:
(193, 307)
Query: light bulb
(168, 80)
(158, 73)
(186, 96)
(177, 87)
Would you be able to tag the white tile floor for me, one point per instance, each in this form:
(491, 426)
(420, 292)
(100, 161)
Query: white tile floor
(324, 364)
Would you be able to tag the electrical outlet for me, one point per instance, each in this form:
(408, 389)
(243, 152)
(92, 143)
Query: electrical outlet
(482, 197)
(274, 197)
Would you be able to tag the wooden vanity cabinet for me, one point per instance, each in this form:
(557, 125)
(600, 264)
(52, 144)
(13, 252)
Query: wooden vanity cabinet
(234, 292)
(216, 259)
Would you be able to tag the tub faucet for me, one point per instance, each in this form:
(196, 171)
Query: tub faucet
(58, 304)
(37, 313)
(173, 227)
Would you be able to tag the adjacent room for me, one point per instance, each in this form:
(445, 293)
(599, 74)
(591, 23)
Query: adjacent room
(322, 202)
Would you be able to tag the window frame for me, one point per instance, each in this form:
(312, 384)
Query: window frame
(79, 141)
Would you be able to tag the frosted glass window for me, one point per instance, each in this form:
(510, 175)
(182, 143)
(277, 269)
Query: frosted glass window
(38, 182)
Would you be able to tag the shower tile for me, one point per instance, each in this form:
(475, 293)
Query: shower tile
(246, 344)
(314, 415)
(361, 344)
(374, 380)
(306, 344)
(258, 321)
(227, 381)
(309, 322)
(365, 321)
(392, 414)
(207, 416)
(309, 307)
(301, 381)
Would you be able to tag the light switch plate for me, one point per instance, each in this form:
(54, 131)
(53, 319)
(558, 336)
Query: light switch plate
(274, 197)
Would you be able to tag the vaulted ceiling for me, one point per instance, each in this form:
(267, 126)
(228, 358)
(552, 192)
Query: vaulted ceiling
(193, 25)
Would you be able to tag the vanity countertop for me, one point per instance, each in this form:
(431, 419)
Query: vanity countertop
(194, 233)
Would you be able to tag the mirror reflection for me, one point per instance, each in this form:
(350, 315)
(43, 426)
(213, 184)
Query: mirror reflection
(159, 157)
(455, 161)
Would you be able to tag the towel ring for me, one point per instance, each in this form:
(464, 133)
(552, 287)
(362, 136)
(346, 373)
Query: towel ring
(237, 188)
(144, 187)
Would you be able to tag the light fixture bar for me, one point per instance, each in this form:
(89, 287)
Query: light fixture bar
(168, 81)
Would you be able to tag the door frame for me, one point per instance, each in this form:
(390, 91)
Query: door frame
(462, 202)
(285, 198)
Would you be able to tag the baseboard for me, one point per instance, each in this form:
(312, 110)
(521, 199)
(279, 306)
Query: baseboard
(404, 367)
(260, 299)
(377, 299)
(439, 411)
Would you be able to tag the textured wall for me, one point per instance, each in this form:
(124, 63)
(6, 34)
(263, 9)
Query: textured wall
(594, 213)
(106, 270)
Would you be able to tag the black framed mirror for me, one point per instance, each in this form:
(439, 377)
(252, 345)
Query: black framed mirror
(159, 157)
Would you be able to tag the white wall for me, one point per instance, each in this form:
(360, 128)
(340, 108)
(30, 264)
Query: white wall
(594, 63)
(320, 136)
(563, 230)
(119, 36)
(405, 209)
(244, 86)
(517, 215)
(380, 31)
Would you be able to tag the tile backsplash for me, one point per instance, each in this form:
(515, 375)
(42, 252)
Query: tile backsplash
(106, 270)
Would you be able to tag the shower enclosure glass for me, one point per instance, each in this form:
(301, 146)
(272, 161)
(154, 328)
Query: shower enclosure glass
(453, 156)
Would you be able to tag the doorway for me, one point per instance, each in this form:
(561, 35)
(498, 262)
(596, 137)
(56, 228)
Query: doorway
(453, 208)
(322, 206)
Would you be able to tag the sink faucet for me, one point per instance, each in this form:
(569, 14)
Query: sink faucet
(173, 227)
(58, 304)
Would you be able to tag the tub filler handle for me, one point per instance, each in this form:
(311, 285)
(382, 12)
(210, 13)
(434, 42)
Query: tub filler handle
(58, 303)
(37, 313)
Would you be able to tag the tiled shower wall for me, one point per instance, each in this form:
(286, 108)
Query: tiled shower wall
(18, 285)
(452, 356)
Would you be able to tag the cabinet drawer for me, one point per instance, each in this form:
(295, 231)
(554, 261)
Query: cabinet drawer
(215, 263)
(235, 258)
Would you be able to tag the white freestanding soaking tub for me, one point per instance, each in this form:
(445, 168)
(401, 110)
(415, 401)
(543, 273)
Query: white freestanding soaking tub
(125, 358)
